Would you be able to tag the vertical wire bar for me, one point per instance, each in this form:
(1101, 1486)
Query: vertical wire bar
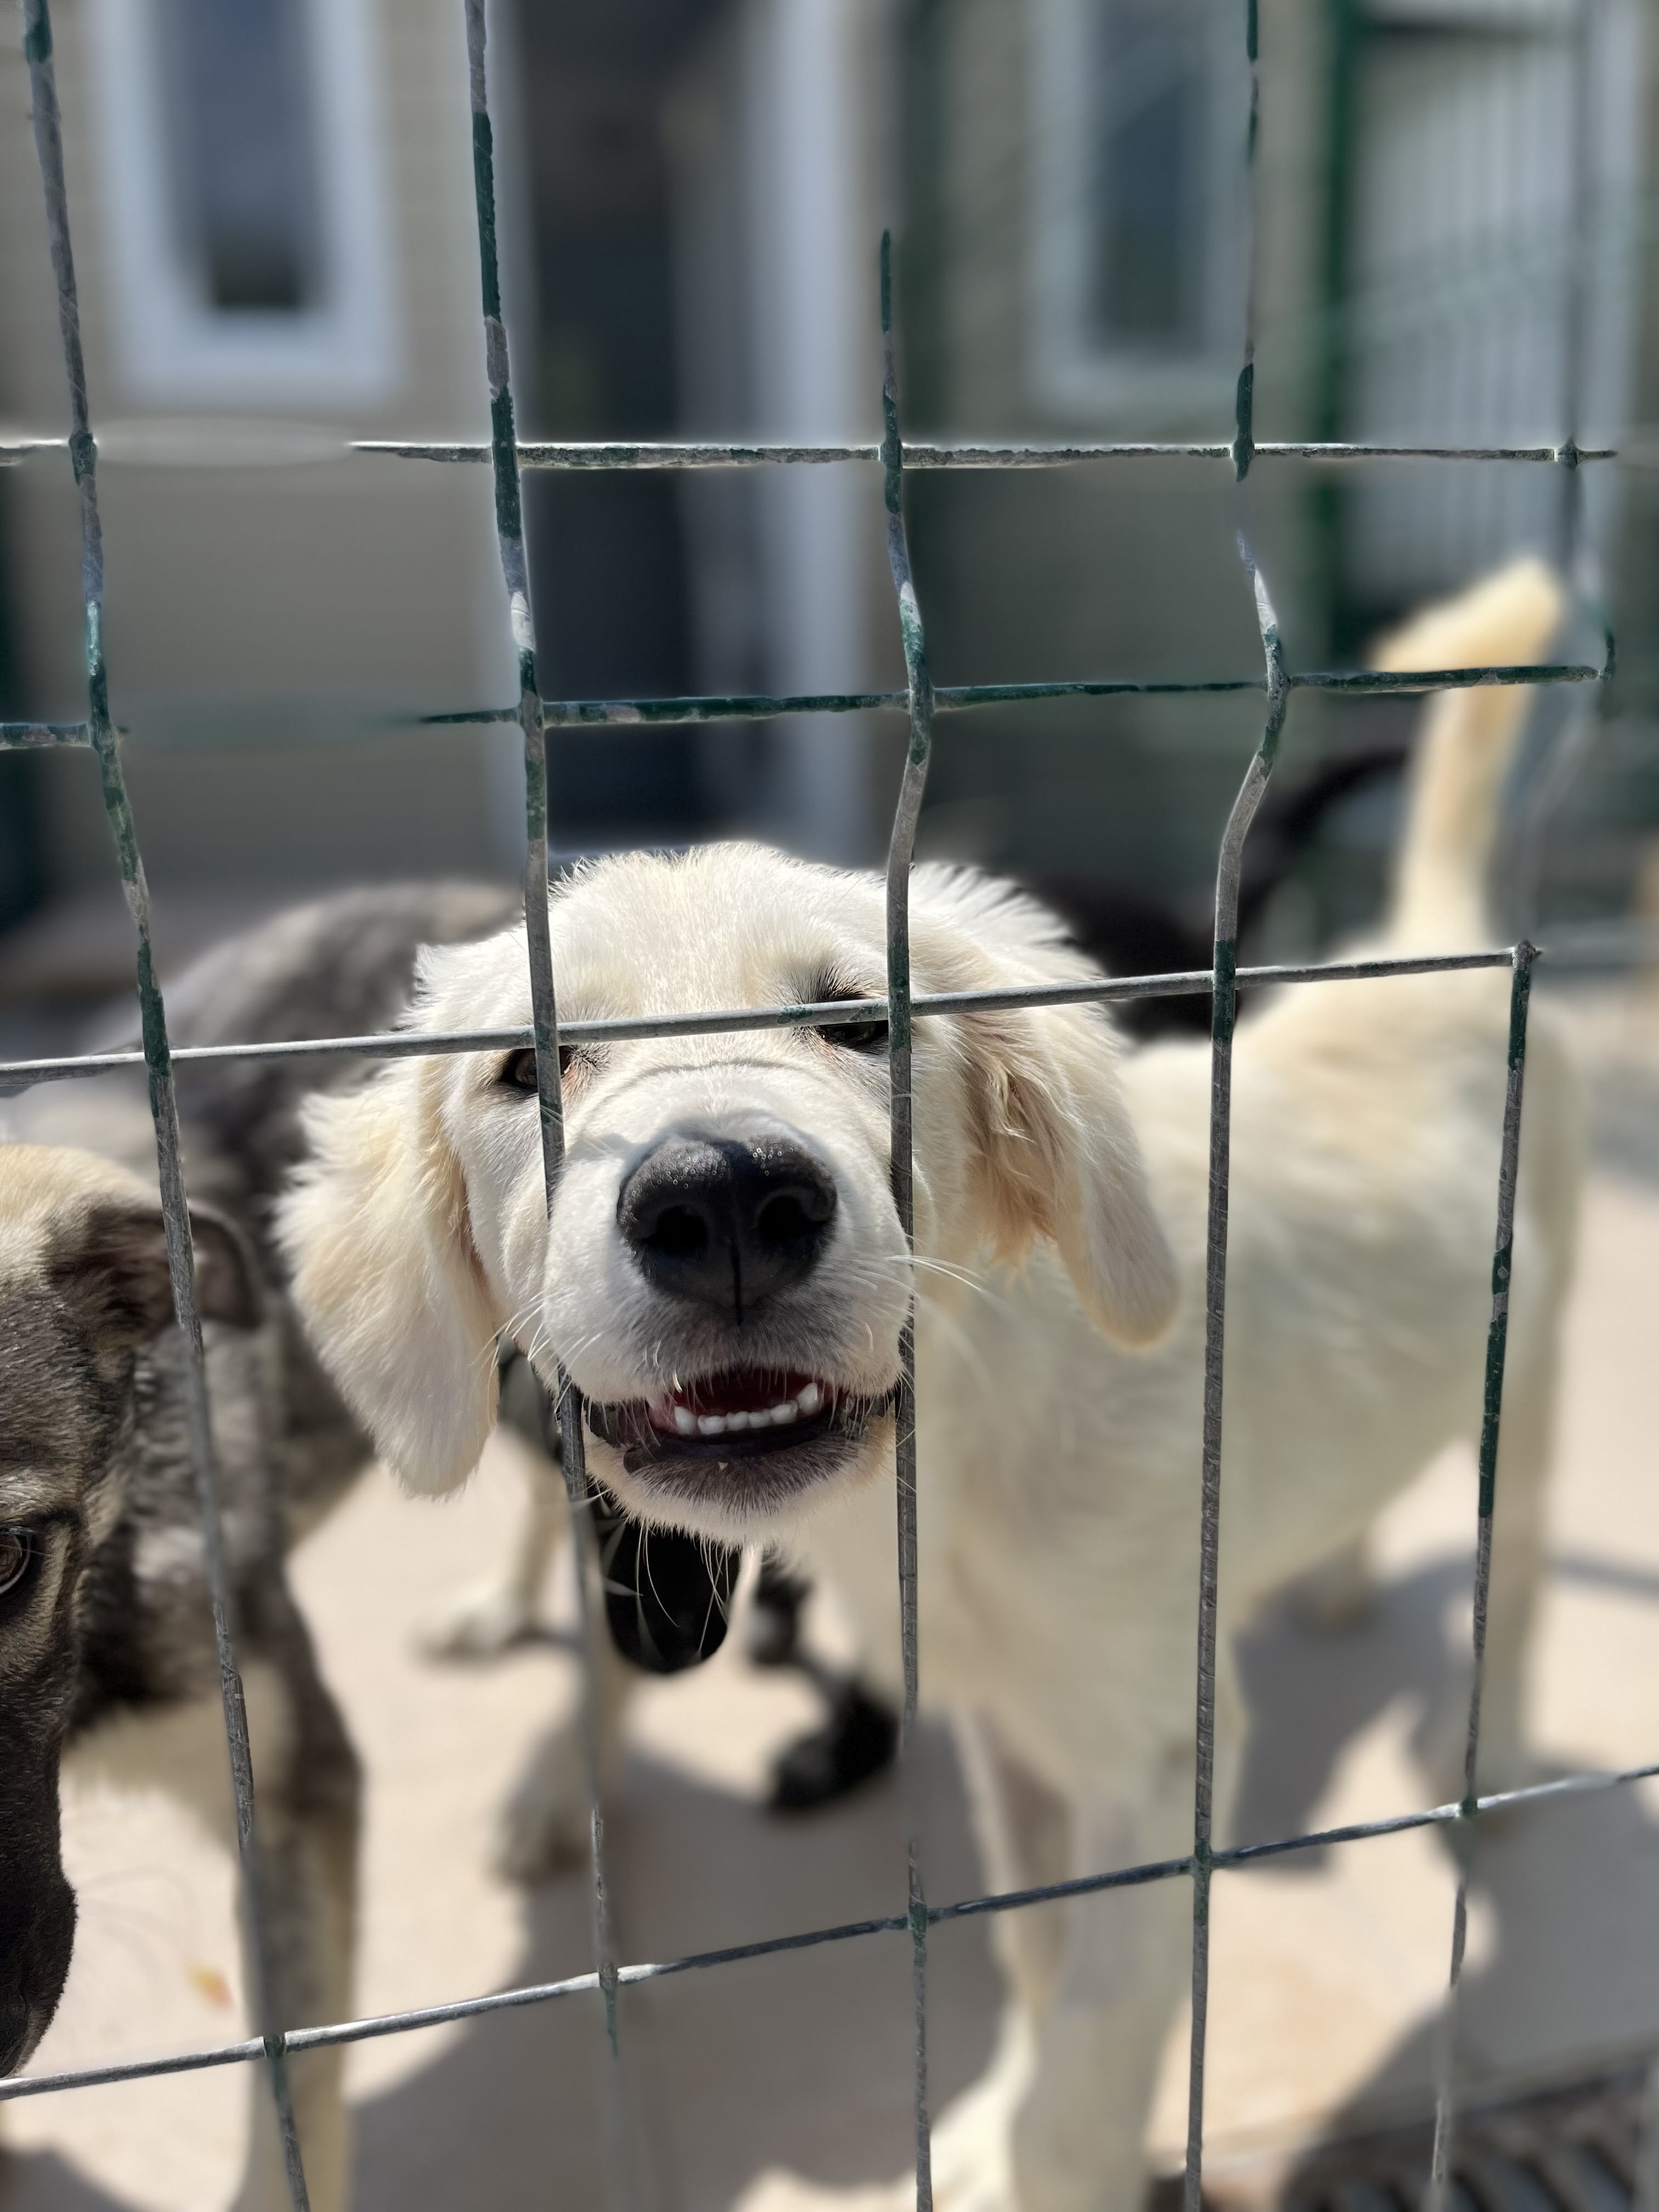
(1223, 1014)
(1244, 397)
(509, 532)
(901, 848)
(1580, 246)
(164, 1111)
(1462, 1835)
(1224, 1009)
(1576, 737)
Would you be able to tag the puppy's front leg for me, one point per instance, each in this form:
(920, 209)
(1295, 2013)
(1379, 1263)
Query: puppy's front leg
(1078, 2134)
(495, 1612)
(1078, 2141)
(1057, 2122)
(1025, 1842)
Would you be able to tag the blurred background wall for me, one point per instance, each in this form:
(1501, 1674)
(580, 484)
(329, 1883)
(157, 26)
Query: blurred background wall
(276, 253)
(1457, 248)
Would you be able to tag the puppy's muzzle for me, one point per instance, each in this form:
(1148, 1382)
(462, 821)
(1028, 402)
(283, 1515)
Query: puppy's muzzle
(724, 1223)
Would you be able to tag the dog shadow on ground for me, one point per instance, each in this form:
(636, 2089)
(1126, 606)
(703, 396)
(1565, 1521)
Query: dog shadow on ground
(803, 2060)
(1310, 1691)
(1568, 1890)
(38, 2182)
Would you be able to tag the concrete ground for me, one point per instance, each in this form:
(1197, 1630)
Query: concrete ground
(785, 2081)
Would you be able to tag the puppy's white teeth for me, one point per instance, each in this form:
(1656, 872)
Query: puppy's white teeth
(742, 1420)
(711, 1425)
(685, 1420)
(780, 1416)
(809, 1399)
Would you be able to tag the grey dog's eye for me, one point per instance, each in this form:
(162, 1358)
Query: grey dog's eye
(518, 1069)
(17, 1550)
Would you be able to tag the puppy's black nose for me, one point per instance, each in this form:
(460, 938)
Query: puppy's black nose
(726, 1224)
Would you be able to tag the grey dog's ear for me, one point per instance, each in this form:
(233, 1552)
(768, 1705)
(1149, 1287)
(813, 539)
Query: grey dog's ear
(115, 1265)
(387, 1280)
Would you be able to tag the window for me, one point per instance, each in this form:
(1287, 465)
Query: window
(1150, 158)
(243, 148)
(246, 200)
(1494, 280)
(1137, 135)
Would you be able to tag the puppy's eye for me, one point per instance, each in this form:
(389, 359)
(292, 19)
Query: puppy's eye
(518, 1068)
(856, 1037)
(832, 983)
(19, 1549)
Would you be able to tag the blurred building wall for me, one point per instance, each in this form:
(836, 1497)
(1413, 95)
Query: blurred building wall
(1457, 203)
(263, 611)
(1052, 297)
(692, 192)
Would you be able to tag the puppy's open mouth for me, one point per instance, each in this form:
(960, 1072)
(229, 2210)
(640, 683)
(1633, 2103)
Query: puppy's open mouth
(744, 1413)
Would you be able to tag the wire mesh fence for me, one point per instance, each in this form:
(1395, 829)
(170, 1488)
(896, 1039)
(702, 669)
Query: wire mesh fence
(901, 1008)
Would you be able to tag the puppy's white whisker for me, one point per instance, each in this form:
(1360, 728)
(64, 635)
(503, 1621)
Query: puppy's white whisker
(516, 1320)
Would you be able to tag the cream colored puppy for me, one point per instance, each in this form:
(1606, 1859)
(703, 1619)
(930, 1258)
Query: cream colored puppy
(725, 1278)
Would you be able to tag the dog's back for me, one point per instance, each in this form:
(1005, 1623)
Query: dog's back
(341, 965)
(1365, 1131)
(1366, 1121)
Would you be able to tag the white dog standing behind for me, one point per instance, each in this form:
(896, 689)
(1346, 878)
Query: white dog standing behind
(725, 1278)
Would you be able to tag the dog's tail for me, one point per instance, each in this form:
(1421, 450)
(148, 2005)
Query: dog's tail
(1468, 743)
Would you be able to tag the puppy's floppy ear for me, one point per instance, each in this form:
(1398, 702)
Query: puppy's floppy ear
(115, 1266)
(387, 1280)
(1055, 1156)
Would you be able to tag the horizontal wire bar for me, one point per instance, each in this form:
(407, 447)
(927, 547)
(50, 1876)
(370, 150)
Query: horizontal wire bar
(955, 698)
(678, 453)
(681, 453)
(1442, 680)
(1589, 1782)
(825, 1013)
(951, 698)
(46, 733)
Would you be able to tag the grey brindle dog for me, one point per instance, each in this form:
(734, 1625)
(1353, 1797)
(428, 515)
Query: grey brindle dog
(106, 1650)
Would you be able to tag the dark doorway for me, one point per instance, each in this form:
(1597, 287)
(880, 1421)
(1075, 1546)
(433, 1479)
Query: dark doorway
(607, 551)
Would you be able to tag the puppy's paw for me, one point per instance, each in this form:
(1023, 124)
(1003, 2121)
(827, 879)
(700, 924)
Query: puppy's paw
(545, 1829)
(978, 2178)
(479, 1622)
(972, 2173)
(973, 2144)
(777, 2189)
